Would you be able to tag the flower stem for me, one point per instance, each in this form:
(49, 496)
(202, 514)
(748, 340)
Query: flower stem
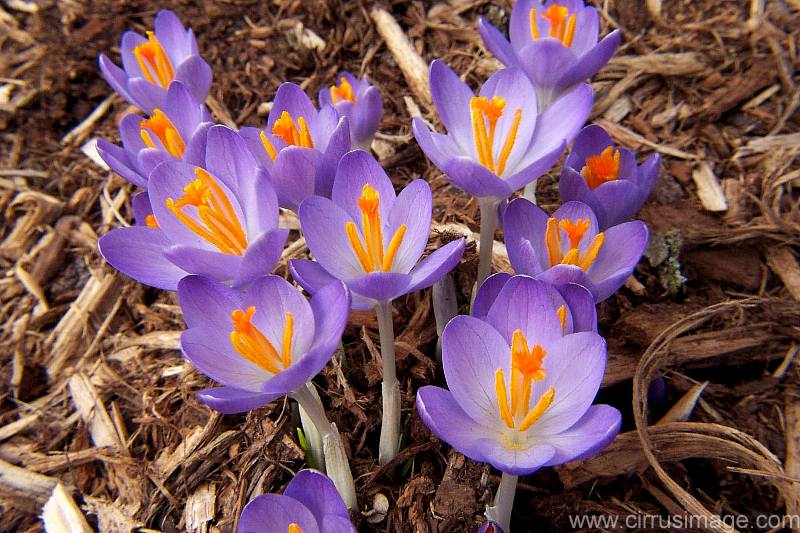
(445, 307)
(488, 207)
(390, 388)
(500, 511)
(337, 465)
(530, 192)
(313, 435)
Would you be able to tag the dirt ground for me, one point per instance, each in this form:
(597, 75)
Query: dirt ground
(96, 395)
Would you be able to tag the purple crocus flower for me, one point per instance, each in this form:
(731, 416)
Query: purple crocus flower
(555, 43)
(496, 143)
(310, 504)
(359, 101)
(521, 384)
(369, 237)
(220, 220)
(574, 303)
(178, 131)
(568, 246)
(261, 344)
(606, 178)
(300, 146)
(151, 63)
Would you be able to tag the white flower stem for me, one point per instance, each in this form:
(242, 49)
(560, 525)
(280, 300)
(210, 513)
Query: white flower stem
(530, 192)
(390, 388)
(445, 307)
(500, 511)
(488, 207)
(312, 434)
(337, 465)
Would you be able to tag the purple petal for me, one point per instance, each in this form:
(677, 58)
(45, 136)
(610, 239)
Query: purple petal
(496, 43)
(559, 275)
(435, 266)
(574, 367)
(229, 400)
(337, 524)
(214, 264)
(261, 256)
(561, 122)
(381, 286)
(312, 277)
(323, 224)
(275, 513)
(293, 175)
(338, 145)
(591, 140)
(530, 306)
(519, 26)
(439, 148)
(140, 206)
(229, 159)
(130, 132)
(526, 222)
(331, 308)
(545, 60)
(171, 34)
(182, 109)
(587, 30)
(146, 96)
(412, 208)
(129, 41)
(472, 351)
(476, 179)
(588, 437)
(211, 352)
(206, 303)
(357, 169)
(592, 61)
(648, 174)
(621, 251)
(582, 308)
(447, 420)
(451, 96)
(536, 168)
(138, 252)
(317, 493)
(116, 77)
(490, 527)
(291, 98)
(118, 160)
(196, 74)
(366, 120)
(617, 201)
(487, 293)
(195, 152)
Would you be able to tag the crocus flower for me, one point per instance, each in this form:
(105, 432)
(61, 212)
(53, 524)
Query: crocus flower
(310, 504)
(606, 178)
(496, 143)
(359, 101)
(490, 527)
(220, 220)
(260, 344)
(369, 237)
(568, 246)
(574, 303)
(521, 384)
(178, 131)
(300, 146)
(150, 64)
(555, 43)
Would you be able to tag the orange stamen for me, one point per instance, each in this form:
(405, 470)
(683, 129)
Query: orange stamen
(484, 110)
(163, 128)
(288, 333)
(220, 223)
(553, 241)
(150, 221)
(251, 343)
(268, 146)
(343, 92)
(562, 316)
(602, 168)
(294, 528)
(154, 62)
(526, 367)
(293, 133)
(371, 254)
(575, 231)
(562, 24)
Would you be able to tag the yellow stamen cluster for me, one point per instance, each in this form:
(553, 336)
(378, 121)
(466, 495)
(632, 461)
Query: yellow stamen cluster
(294, 528)
(485, 115)
(343, 92)
(218, 223)
(163, 128)
(154, 62)
(526, 367)
(254, 346)
(371, 254)
(151, 222)
(602, 168)
(562, 24)
(575, 232)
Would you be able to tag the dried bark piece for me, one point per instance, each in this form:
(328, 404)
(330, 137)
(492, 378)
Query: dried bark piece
(708, 188)
(60, 513)
(783, 262)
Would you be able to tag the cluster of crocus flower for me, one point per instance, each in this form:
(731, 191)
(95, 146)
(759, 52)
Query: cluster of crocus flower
(522, 369)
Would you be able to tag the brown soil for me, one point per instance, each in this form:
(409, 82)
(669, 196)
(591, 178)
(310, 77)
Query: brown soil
(145, 453)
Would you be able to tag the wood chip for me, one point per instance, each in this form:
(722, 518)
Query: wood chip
(708, 188)
(61, 515)
(26, 483)
(783, 262)
(199, 510)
